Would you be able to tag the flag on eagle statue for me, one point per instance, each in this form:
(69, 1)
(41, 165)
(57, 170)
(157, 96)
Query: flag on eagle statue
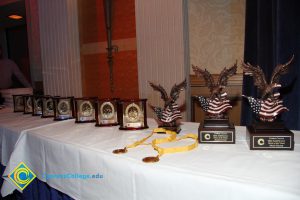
(267, 109)
(215, 106)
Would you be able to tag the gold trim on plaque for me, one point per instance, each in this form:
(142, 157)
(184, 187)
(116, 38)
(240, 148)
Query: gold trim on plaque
(132, 112)
(86, 108)
(63, 107)
(107, 110)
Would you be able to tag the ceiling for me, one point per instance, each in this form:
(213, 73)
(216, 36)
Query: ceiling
(9, 9)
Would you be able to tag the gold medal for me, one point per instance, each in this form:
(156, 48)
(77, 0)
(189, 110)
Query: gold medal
(120, 151)
(151, 159)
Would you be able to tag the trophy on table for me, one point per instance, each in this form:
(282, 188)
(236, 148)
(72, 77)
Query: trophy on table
(168, 116)
(267, 133)
(216, 127)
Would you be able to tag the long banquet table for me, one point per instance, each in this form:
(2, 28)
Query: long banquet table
(211, 171)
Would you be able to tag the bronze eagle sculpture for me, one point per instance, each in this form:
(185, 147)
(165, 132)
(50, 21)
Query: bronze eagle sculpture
(215, 88)
(171, 111)
(260, 79)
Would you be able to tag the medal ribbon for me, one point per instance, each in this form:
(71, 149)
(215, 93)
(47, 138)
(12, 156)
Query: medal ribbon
(170, 138)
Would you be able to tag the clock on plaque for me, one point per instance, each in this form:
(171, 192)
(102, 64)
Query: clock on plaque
(47, 106)
(28, 107)
(267, 133)
(63, 108)
(133, 114)
(107, 112)
(85, 109)
(168, 117)
(18, 103)
(37, 103)
(216, 128)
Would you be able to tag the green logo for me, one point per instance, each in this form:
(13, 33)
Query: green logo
(21, 176)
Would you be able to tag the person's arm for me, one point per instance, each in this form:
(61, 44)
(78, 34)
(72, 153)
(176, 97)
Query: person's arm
(17, 72)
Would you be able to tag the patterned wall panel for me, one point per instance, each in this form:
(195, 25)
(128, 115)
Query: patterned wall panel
(160, 46)
(60, 47)
(216, 33)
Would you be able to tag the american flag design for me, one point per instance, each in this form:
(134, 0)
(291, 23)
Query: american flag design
(267, 109)
(214, 106)
(169, 114)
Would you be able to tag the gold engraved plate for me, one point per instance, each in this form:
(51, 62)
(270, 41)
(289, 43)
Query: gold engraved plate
(132, 115)
(28, 104)
(151, 159)
(86, 109)
(107, 110)
(38, 106)
(19, 103)
(49, 107)
(63, 107)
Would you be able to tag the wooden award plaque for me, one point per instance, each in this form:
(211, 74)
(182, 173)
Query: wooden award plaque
(18, 103)
(37, 103)
(28, 107)
(85, 109)
(47, 106)
(107, 112)
(63, 108)
(269, 136)
(216, 131)
(133, 114)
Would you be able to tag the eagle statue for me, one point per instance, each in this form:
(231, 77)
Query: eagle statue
(171, 112)
(217, 104)
(269, 106)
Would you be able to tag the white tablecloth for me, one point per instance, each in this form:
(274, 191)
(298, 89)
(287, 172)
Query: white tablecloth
(12, 126)
(212, 171)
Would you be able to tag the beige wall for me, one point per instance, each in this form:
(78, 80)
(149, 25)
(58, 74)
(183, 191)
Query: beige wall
(216, 33)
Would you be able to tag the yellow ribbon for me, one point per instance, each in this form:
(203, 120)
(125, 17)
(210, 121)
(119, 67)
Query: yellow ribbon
(171, 138)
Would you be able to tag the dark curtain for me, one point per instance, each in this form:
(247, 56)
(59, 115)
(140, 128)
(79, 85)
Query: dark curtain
(272, 36)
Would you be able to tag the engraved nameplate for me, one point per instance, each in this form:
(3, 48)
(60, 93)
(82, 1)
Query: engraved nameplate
(272, 142)
(216, 137)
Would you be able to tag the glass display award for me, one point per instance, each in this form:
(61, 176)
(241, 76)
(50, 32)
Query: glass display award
(85, 109)
(37, 103)
(107, 112)
(63, 108)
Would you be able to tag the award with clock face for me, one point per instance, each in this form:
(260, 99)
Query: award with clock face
(85, 109)
(133, 114)
(268, 133)
(37, 103)
(28, 104)
(107, 112)
(63, 108)
(47, 106)
(18, 103)
(216, 128)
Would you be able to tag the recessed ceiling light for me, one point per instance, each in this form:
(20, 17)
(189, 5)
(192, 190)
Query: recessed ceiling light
(16, 17)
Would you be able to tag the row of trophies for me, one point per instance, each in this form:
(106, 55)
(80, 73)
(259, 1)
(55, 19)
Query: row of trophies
(264, 134)
(129, 114)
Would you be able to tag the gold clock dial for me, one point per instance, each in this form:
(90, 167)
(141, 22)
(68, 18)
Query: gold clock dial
(107, 110)
(63, 107)
(86, 108)
(133, 112)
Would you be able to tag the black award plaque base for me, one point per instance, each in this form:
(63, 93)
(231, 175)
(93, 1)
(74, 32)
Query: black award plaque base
(269, 136)
(216, 131)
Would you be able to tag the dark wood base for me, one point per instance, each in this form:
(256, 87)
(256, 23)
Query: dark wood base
(132, 128)
(88, 121)
(176, 129)
(57, 119)
(269, 136)
(104, 125)
(216, 132)
(48, 116)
